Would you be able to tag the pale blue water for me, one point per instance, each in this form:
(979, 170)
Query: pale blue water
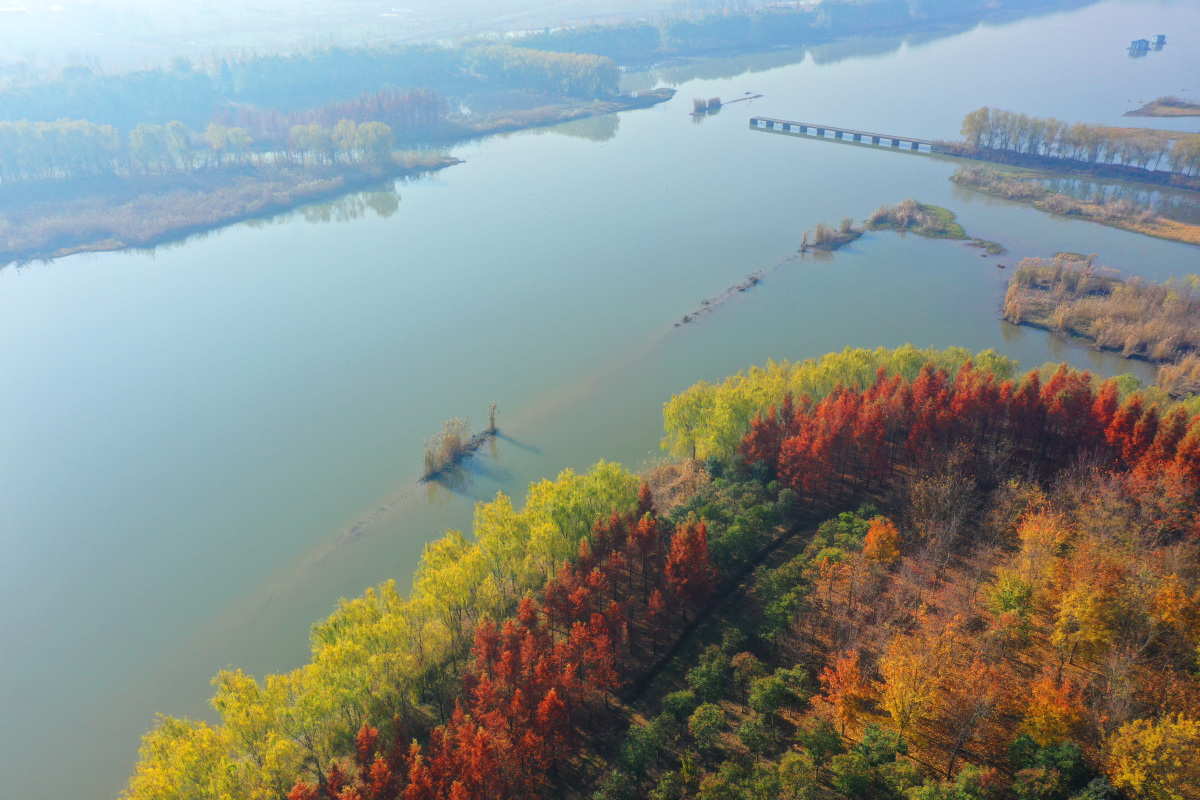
(205, 446)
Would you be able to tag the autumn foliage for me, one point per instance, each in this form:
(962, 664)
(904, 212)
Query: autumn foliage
(854, 439)
(538, 681)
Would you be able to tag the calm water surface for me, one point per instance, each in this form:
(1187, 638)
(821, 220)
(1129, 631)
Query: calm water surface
(205, 446)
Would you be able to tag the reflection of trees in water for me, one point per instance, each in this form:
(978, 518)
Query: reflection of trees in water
(599, 128)
(455, 480)
(834, 52)
(725, 68)
(1179, 206)
(384, 203)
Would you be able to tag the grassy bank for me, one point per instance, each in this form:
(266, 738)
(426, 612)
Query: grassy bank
(933, 222)
(119, 213)
(506, 121)
(1118, 214)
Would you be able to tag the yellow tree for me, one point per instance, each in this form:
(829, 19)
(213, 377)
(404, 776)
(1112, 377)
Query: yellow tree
(1155, 760)
(181, 760)
(912, 669)
(882, 543)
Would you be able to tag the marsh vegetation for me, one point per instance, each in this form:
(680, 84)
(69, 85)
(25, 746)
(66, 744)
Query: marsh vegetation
(1157, 322)
(828, 237)
(1119, 213)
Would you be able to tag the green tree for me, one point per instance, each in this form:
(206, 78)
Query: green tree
(770, 695)
(820, 737)
(375, 141)
(709, 678)
(756, 736)
(797, 776)
(705, 725)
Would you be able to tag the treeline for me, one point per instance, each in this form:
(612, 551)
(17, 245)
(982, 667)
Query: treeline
(711, 419)
(193, 92)
(381, 656)
(1006, 131)
(575, 74)
(1137, 318)
(67, 149)
(292, 83)
(732, 27)
(1023, 624)
(409, 114)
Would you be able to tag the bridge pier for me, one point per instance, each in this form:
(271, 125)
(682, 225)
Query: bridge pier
(845, 134)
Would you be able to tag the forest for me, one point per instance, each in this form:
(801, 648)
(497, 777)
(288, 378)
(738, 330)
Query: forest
(923, 576)
(741, 30)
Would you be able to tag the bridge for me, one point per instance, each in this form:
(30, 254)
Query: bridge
(845, 134)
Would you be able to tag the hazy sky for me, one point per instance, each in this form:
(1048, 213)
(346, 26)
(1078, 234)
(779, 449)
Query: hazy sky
(127, 33)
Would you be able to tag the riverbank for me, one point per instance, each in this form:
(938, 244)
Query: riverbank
(543, 116)
(1082, 169)
(55, 219)
(120, 213)
(1118, 214)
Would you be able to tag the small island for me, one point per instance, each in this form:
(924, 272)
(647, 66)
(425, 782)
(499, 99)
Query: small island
(1167, 107)
(907, 216)
(932, 222)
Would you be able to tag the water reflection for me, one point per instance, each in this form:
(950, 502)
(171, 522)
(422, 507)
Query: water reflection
(1169, 203)
(1062, 348)
(600, 128)
(726, 68)
(477, 477)
(383, 203)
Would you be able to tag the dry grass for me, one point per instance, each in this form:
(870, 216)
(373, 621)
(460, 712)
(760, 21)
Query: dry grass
(448, 446)
(827, 237)
(924, 220)
(1181, 378)
(1117, 213)
(1167, 107)
(673, 482)
(1136, 318)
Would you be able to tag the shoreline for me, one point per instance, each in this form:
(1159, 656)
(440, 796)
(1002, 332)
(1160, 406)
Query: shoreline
(154, 206)
(993, 184)
(1069, 167)
(307, 188)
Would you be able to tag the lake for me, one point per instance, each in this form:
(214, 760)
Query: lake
(206, 445)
